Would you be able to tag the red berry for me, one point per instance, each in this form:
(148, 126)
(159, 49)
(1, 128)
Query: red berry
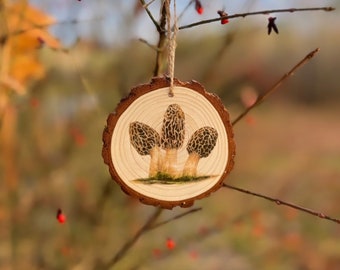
(222, 13)
(200, 10)
(34, 103)
(60, 216)
(199, 7)
(224, 21)
(78, 136)
(170, 243)
(193, 254)
(157, 252)
(250, 120)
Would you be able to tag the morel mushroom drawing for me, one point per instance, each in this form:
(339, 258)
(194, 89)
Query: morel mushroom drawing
(146, 141)
(172, 137)
(200, 145)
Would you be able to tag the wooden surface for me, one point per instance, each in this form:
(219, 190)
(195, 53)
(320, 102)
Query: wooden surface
(147, 104)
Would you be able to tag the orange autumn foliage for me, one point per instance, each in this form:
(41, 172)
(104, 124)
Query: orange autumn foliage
(25, 32)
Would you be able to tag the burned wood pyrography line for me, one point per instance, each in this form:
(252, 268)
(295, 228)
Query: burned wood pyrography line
(126, 129)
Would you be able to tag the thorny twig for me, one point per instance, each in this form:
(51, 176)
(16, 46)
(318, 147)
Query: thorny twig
(198, 237)
(174, 218)
(105, 194)
(262, 97)
(145, 6)
(184, 10)
(264, 12)
(148, 226)
(280, 202)
(148, 4)
(259, 100)
(150, 45)
(150, 223)
(126, 247)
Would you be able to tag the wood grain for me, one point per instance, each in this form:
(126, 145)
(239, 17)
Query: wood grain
(147, 104)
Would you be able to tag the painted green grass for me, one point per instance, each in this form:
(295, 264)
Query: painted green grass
(166, 179)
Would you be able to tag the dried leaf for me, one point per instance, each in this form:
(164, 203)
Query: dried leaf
(26, 32)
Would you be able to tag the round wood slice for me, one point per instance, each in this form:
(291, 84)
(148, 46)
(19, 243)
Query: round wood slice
(147, 139)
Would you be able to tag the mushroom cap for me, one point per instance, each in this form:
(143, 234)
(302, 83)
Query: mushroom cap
(143, 137)
(202, 141)
(172, 135)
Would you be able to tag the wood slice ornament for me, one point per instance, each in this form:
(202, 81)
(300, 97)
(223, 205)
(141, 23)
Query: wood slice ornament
(169, 151)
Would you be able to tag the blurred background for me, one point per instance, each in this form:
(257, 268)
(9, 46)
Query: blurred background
(59, 83)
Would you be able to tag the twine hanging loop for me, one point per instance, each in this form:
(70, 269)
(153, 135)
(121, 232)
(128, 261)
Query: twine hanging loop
(172, 34)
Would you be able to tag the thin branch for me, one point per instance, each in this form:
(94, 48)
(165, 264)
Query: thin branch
(196, 237)
(263, 12)
(262, 97)
(104, 196)
(127, 246)
(39, 26)
(174, 218)
(148, 4)
(184, 10)
(149, 45)
(148, 226)
(161, 42)
(280, 202)
(207, 74)
(158, 27)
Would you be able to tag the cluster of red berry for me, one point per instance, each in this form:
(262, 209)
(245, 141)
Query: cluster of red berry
(199, 8)
(224, 17)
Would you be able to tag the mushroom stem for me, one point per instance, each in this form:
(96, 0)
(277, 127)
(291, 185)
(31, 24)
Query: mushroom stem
(200, 145)
(190, 166)
(169, 162)
(154, 162)
(146, 142)
(172, 138)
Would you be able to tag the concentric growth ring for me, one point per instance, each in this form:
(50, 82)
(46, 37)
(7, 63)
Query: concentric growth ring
(169, 151)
